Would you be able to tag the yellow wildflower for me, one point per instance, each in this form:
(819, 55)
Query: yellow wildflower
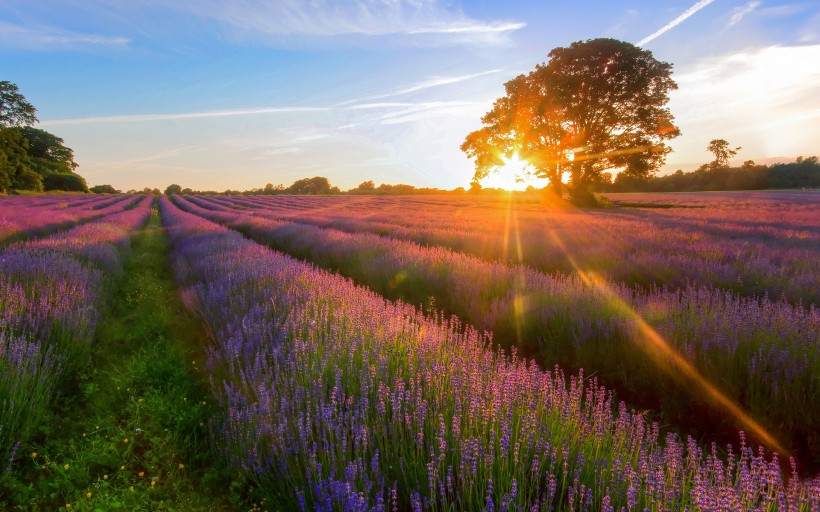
(88, 495)
(66, 466)
(125, 440)
(33, 454)
(182, 466)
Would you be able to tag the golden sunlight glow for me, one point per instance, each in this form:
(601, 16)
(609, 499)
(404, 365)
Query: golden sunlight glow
(665, 356)
(513, 175)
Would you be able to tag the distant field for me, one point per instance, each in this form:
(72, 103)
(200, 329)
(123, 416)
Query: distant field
(457, 353)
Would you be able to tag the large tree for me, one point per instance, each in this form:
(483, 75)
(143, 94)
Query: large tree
(595, 105)
(30, 158)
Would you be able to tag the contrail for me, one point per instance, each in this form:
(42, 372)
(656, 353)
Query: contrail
(677, 21)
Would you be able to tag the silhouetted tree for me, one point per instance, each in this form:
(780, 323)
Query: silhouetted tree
(310, 186)
(722, 151)
(365, 187)
(596, 105)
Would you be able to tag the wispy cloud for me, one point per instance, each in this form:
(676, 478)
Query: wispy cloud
(328, 18)
(44, 37)
(764, 99)
(397, 109)
(398, 113)
(183, 115)
(674, 23)
(739, 12)
(440, 81)
(424, 85)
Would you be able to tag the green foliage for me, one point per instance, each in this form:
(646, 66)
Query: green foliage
(5, 172)
(27, 179)
(47, 152)
(104, 189)
(14, 159)
(71, 182)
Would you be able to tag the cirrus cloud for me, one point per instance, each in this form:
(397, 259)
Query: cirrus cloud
(50, 38)
(432, 20)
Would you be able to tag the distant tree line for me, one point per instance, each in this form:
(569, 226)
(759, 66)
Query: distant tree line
(719, 175)
(315, 186)
(804, 172)
(32, 159)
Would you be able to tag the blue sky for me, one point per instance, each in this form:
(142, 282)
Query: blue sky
(213, 94)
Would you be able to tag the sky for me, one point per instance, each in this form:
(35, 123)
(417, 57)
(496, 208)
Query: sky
(217, 95)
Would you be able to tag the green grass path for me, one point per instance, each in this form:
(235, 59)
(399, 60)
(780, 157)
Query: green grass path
(133, 434)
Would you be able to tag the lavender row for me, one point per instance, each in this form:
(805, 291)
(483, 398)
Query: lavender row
(746, 249)
(50, 298)
(759, 354)
(335, 399)
(32, 216)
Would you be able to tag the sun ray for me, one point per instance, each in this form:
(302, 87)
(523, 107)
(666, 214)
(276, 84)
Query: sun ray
(665, 356)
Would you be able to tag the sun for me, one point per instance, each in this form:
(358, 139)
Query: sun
(515, 174)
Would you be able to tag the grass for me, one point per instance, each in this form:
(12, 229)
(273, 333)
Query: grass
(132, 434)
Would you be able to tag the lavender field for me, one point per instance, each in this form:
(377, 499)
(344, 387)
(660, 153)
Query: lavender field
(455, 353)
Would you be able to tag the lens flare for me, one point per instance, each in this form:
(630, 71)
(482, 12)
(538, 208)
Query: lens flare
(667, 357)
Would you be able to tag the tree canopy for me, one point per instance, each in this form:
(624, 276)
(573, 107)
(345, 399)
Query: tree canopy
(172, 189)
(595, 105)
(104, 189)
(14, 109)
(311, 186)
(30, 158)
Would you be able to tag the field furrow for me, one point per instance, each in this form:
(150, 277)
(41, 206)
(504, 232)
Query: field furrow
(334, 398)
(739, 247)
(709, 360)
